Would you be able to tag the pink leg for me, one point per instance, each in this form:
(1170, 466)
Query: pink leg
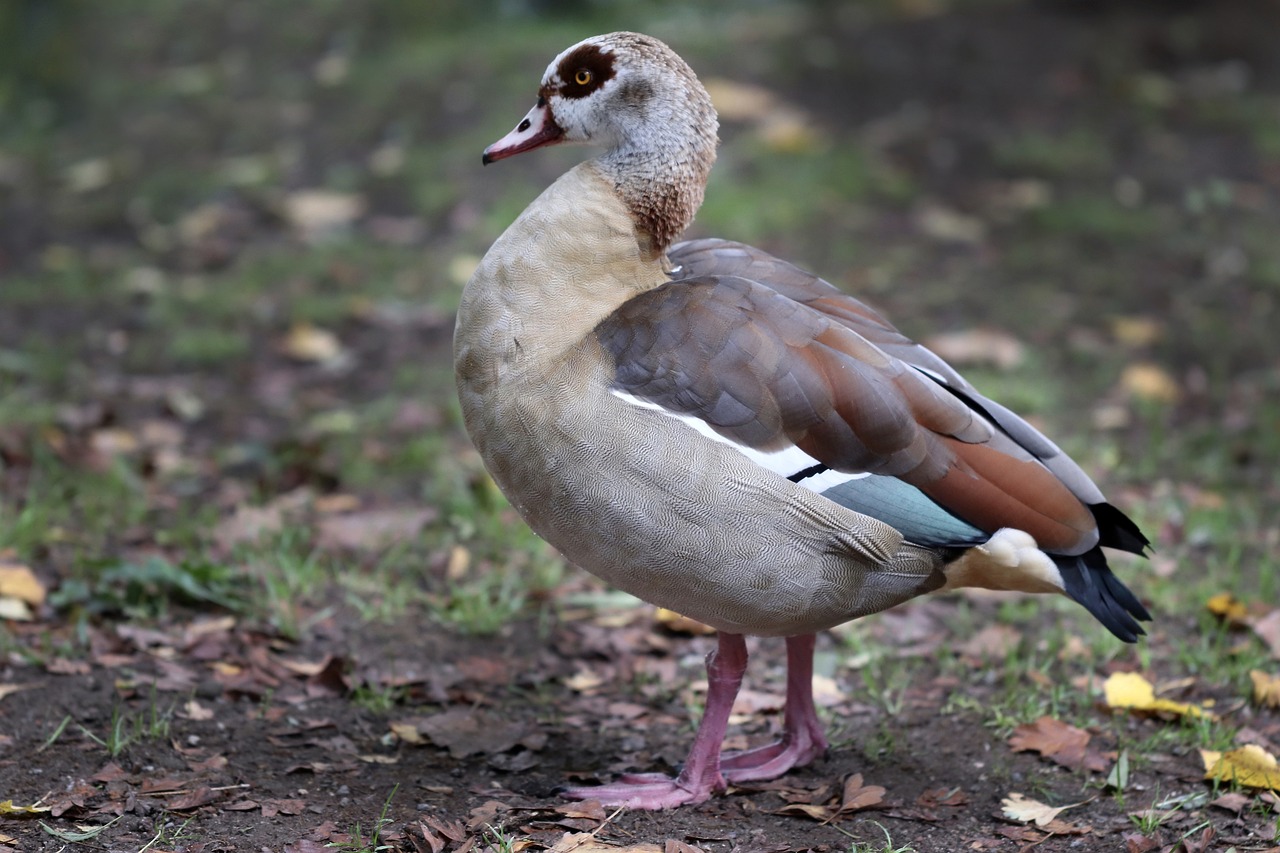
(700, 777)
(802, 738)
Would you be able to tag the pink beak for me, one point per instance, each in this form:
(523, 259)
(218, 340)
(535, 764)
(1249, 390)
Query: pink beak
(537, 129)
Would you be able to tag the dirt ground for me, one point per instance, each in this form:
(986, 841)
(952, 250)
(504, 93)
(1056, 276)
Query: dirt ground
(205, 727)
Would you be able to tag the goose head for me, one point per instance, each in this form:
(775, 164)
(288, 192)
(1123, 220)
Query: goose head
(637, 99)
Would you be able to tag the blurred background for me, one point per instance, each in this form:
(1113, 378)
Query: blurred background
(233, 233)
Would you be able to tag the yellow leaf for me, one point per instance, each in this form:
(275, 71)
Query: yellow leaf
(1251, 766)
(740, 101)
(21, 583)
(1130, 690)
(1227, 607)
(407, 732)
(306, 342)
(1266, 688)
(1150, 382)
(677, 624)
(8, 808)
(1136, 331)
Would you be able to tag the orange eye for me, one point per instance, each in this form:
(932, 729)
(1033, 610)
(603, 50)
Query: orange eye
(583, 77)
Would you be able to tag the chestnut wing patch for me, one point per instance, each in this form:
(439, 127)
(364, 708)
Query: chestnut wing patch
(767, 372)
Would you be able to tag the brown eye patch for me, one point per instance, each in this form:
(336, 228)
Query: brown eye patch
(584, 71)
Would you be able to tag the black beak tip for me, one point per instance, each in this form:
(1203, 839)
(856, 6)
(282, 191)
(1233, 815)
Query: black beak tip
(485, 159)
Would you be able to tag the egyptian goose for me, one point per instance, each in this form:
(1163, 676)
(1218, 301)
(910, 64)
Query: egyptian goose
(720, 433)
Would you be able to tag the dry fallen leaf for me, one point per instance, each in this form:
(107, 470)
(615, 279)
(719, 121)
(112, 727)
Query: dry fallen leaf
(585, 842)
(316, 214)
(1251, 766)
(1136, 331)
(980, 346)
(677, 624)
(1266, 688)
(1268, 630)
(944, 223)
(583, 681)
(464, 732)
(857, 796)
(1148, 381)
(193, 710)
(1228, 608)
(1131, 691)
(1059, 742)
(8, 689)
(8, 809)
(407, 732)
(1022, 808)
(781, 127)
(371, 529)
(17, 581)
(992, 643)
(309, 343)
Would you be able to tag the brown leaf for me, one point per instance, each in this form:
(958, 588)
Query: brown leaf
(1136, 842)
(201, 796)
(372, 529)
(271, 808)
(1201, 842)
(1233, 802)
(589, 809)
(110, 772)
(1268, 630)
(994, 642)
(485, 814)
(435, 842)
(306, 845)
(464, 732)
(676, 846)
(583, 842)
(935, 797)
(1024, 834)
(857, 796)
(330, 680)
(452, 830)
(1059, 742)
(978, 346)
(818, 813)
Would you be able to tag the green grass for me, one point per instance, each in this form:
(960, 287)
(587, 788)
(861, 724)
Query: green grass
(126, 729)
(369, 840)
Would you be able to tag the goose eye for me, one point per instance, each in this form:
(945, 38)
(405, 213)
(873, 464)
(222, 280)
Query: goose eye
(583, 77)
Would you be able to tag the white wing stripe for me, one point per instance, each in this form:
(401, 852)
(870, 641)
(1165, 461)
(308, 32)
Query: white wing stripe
(785, 462)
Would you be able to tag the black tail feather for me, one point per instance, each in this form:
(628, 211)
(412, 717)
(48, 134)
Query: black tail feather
(1089, 581)
(1117, 530)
